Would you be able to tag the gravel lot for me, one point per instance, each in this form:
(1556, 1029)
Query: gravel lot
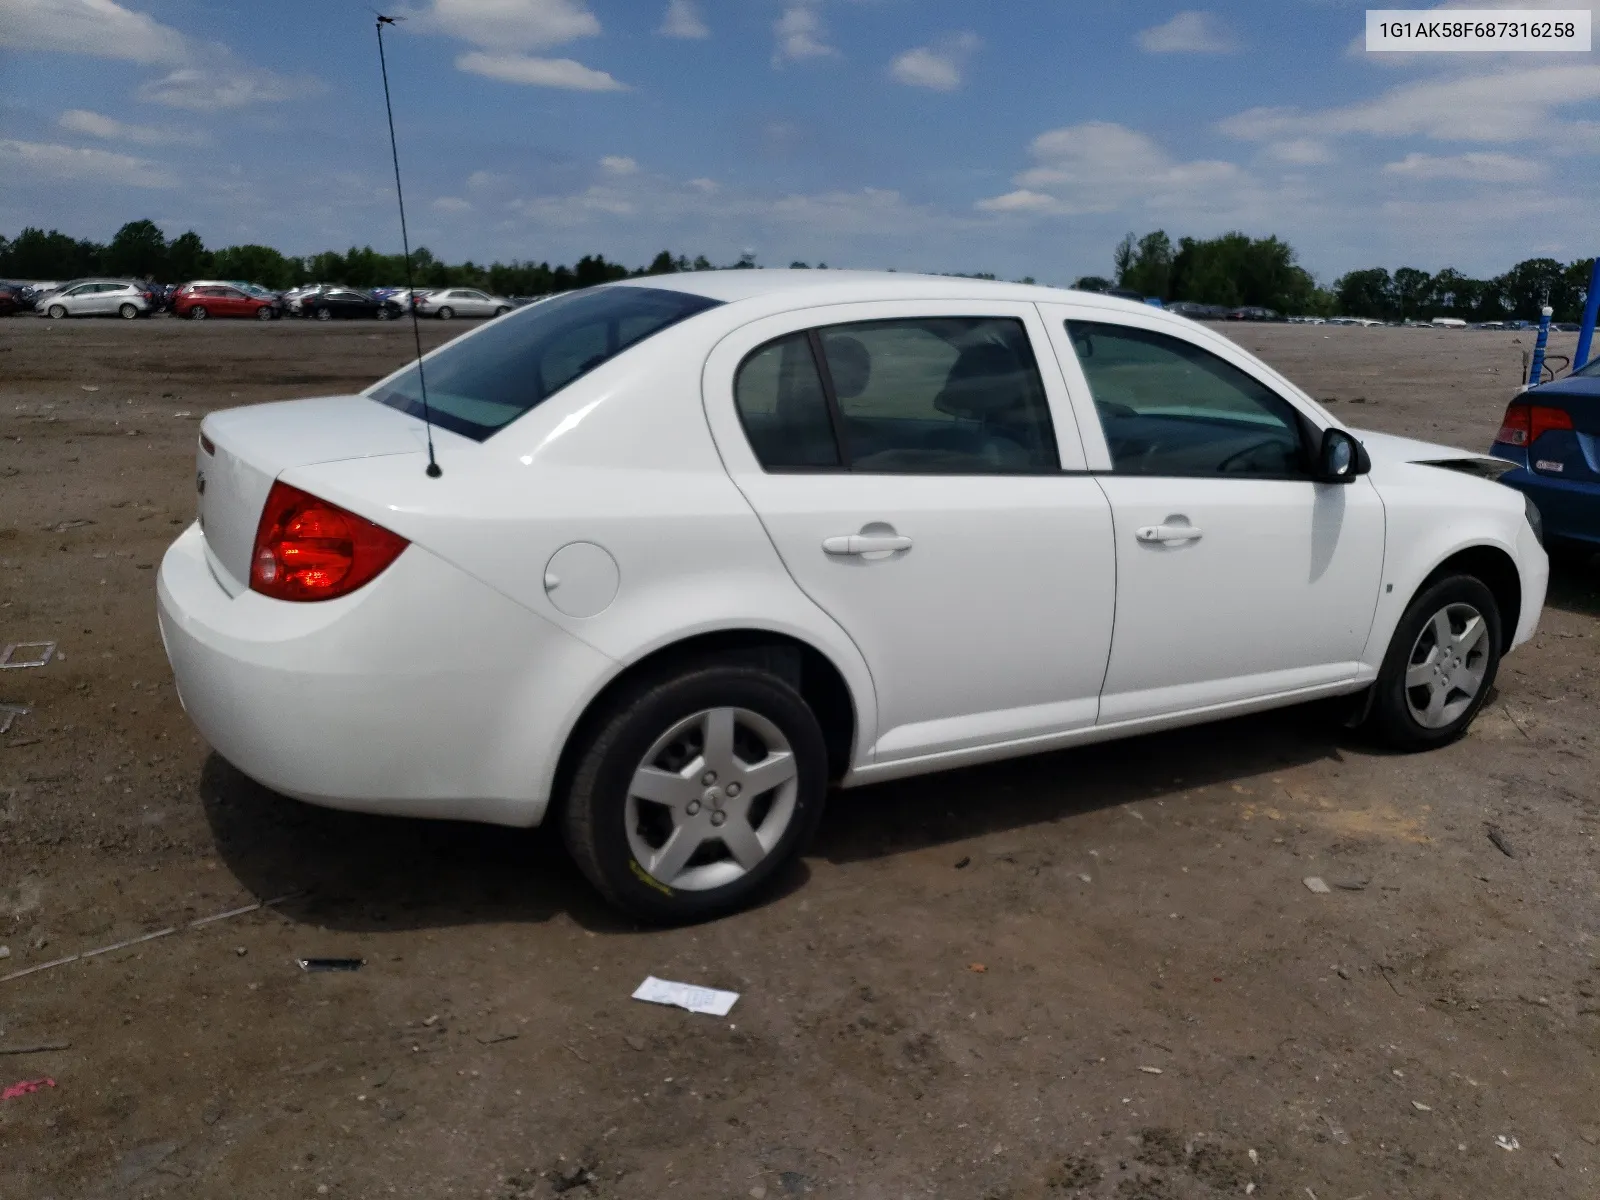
(1095, 973)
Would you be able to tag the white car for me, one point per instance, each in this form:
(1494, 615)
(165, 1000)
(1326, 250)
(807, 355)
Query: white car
(95, 298)
(446, 303)
(703, 545)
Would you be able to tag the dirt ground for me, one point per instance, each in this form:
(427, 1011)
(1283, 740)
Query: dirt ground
(1095, 973)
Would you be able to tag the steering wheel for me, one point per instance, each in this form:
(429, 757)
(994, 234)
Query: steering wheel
(1265, 443)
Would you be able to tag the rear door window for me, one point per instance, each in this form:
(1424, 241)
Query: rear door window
(919, 396)
(480, 384)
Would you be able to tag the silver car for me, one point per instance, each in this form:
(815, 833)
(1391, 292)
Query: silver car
(462, 302)
(96, 298)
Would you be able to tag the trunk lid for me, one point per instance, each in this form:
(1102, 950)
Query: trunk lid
(1570, 454)
(243, 450)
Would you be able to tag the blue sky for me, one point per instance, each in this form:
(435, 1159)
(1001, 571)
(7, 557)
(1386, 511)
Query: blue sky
(1022, 137)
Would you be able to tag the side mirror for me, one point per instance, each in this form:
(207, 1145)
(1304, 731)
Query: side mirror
(1340, 458)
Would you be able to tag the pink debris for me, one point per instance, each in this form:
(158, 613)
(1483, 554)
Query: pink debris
(26, 1087)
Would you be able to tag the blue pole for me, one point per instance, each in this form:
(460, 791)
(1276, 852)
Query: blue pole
(1536, 372)
(1591, 310)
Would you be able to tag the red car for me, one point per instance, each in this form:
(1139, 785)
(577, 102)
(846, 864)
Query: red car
(199, 301)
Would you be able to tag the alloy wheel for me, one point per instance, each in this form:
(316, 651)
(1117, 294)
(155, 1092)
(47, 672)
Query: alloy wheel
(711, 798)
(1447, 667)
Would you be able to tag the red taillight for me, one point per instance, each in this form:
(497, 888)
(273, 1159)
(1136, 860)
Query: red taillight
(1524, 423)
(308, 549)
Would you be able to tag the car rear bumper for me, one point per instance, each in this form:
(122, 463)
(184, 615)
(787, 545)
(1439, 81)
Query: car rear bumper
(424, 694)
(1571, 509)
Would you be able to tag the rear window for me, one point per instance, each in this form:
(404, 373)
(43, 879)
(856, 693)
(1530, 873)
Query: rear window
(481, 384)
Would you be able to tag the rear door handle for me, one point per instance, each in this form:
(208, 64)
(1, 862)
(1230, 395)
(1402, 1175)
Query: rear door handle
(1168, 533)
(866, 543)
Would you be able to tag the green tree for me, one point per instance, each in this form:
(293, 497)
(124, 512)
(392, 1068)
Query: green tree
(36, 254)
(1149, 272)
(138, 250)
(1368, 293)
(1412, 292)
(1534, 282)
(1092, 283)
(256, 264)
(187, 258)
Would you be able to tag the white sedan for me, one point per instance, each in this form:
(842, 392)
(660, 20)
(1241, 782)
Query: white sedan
(702, 546)
(446, 303)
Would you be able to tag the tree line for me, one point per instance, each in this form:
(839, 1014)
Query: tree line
(139, 250)
(1236, 270)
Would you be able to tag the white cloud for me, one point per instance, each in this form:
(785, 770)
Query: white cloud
(618, 164)
(539, 72)
(1474, 167)
(511, 24)
(938, 66)
(683, 20)
(93, 124)
(1188, 33)
(98, 28)
(1099, 166)
(800, 34)
(1513, 104)
(1303, 151)
(202, 89)
(452, 204)
(47, 160)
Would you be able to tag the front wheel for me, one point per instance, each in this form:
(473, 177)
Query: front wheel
(446, 313)
(1440, 665)
(265, 313)
(198, 313)
(55, 312)
(691, 795)
(383, 314)
(128, 312)
(501, 311)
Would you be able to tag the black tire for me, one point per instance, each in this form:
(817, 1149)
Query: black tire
(198, 313)
(324, 314)
(55, 312)
(128, 312)
(383, 314)
(266, 313)
(446, 313)
(1392, 718)
(596, 798)
(501, 311)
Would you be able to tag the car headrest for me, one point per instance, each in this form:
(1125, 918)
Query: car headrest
(848, 363)
(983, 379)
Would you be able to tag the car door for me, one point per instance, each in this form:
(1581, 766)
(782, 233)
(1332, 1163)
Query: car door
(79, 301)
(231, 302)
(918, 471)
(1238, 576)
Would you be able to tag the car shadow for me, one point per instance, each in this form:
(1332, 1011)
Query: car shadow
(353, 872)
(1574, 582)
(932, 810)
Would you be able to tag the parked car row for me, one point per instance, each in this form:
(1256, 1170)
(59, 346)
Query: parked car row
(203, 299)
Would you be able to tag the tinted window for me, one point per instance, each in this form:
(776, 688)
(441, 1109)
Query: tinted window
(783, 408)
(1170, 408)
(940, 395)
(484, 382)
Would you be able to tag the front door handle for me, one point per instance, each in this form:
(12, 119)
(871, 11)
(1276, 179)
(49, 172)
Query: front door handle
(1168, 533)
(866, 543)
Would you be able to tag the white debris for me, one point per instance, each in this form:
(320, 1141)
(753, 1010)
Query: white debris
(1316, 885)
(1420, 1106)
(686, 995)
(1151, 1070)
(1507, 1143)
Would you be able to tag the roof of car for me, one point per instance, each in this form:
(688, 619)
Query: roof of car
(826, 285)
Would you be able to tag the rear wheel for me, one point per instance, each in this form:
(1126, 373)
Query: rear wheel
(324, 314)
(446, 313)
(1440, 665)
(198, 313)
(691, 794)
(55, 312)
(128, 311)
(383, 314)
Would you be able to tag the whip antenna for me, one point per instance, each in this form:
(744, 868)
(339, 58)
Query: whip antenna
(405, 244)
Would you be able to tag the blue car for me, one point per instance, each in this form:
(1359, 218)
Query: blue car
(1552, 434)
